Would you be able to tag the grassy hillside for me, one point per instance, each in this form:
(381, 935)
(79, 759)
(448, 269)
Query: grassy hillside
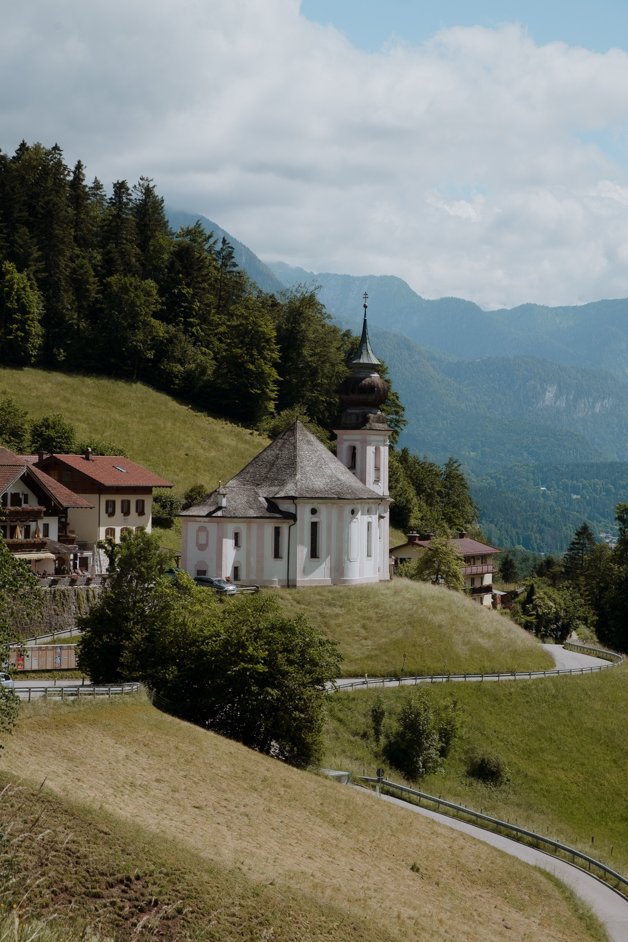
(563, 740)
(414, 628)
(240, 847)
(172, 439)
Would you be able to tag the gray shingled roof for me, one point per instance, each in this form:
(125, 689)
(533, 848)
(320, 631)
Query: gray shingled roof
(296, 465)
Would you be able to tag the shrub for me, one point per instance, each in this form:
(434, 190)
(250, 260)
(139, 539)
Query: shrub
(421, 738)
(488, 768)
(165, 509)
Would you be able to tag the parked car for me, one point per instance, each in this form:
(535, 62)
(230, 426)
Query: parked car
(218, 585)
(6, 680)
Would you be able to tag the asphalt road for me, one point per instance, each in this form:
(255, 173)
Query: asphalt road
(610, 908)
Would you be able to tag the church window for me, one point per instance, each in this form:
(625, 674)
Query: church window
(236, 538)
(202, 538)
(276, 542)
(369, 539)
(377, 471)
(314, 539)
(353, 458)
(236, 573)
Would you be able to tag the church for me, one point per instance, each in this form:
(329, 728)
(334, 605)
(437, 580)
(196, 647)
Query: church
(297, 515)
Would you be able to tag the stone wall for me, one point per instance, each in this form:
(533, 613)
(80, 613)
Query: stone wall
(61, 607)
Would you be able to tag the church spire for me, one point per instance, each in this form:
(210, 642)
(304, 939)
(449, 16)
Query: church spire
(365, 355)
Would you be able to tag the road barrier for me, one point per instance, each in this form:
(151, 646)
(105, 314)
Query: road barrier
(611, 878)
(74, 692)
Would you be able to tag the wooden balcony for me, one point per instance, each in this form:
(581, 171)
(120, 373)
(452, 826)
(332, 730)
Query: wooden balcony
(478, 570)
(27, 546)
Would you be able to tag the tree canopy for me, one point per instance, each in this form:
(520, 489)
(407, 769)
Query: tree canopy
(236, 666)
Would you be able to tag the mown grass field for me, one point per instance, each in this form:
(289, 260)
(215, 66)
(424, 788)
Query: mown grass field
(134, 815)
(406, 627)
(563, 740)
(183, 445)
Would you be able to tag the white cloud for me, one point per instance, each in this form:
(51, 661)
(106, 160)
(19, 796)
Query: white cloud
(471, 165)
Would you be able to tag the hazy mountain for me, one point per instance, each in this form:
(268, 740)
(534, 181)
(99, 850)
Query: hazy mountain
(518, 396)
(246, 260)
(592, 336)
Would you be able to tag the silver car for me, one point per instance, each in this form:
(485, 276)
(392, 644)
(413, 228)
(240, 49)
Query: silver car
(6, 680)
(218, 585)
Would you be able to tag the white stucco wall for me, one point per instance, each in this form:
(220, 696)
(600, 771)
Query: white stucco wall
(91, 525)
(209, 546)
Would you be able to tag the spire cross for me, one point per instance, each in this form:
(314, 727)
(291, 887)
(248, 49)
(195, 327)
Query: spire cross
(365, 305)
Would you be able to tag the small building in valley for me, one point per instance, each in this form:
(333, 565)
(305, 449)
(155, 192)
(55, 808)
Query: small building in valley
(477, 565)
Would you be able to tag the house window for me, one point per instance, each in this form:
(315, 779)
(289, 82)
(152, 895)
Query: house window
(66, 475)
(3, 500)
(236, 573)
(110, 508)
(353, 458)
(140, 507)
(140, 529)
(25, 498)
(236, 538)
(124, 530)
(26, 532)
(110, 533)
(202, 538)
(369, 539)
(15, 500)
(125, 507)
(45, 529)
(276, 542)
(314, 539)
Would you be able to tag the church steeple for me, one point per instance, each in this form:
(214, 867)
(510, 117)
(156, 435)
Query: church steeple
(363, 391)
(365, 355)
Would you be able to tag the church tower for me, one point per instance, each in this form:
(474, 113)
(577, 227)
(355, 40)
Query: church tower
(363, 431)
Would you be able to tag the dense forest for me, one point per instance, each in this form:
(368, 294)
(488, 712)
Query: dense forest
(93, 282)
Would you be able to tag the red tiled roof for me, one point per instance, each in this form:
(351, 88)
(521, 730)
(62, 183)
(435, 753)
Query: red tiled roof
(59, 493)
(9, 474)
(13, 467)
(113, 471)
(464, 545)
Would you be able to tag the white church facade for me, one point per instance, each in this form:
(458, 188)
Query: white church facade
(297, 515)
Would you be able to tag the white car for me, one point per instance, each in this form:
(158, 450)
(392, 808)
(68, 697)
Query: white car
(6, 681)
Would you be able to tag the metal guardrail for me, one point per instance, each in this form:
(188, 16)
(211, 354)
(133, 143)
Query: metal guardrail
(594, 651)
(38, 692)
(616, 881)
(444, 678)
(47, 636)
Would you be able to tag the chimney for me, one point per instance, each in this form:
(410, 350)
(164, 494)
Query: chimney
(41, 454)
(222, 497)
(88, 454)
(462, 534)
(413, 538)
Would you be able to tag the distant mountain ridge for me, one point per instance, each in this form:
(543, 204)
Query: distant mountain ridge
(257, 271)
(457, 328)
(506, 392)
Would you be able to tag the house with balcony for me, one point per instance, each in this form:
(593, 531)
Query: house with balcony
(119, 493)
(477, 561)
(34, 518)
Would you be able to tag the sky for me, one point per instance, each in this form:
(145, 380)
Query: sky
(476, 149)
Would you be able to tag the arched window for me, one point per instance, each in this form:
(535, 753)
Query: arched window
(110, 533)
(369, 539)
(353, 458)
(377, 470)
(202, 538)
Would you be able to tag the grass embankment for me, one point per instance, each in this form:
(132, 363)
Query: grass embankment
(172, 439)
(151, 817)
(406, 627)
(563, 740)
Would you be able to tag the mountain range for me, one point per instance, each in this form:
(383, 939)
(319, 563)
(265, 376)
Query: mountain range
(530, 387)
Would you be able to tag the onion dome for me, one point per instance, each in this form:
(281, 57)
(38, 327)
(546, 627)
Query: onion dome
(363, 391)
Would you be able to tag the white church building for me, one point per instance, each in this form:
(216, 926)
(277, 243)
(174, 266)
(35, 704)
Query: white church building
(297, 515)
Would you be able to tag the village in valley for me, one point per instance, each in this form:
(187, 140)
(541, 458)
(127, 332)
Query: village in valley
(314, 545)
